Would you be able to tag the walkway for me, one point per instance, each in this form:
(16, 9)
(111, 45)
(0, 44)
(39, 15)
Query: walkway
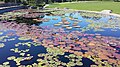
(3, 10)
(7, 7)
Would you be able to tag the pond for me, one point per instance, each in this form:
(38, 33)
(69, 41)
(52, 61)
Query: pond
(76, 39)
(88, 25)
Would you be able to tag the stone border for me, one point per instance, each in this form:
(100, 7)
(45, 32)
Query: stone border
(113, 14)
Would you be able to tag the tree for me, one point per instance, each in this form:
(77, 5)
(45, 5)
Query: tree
(62, 0)
(12, 1)
(46, 1)
(116, 0)
(70, 0)
(52, 1)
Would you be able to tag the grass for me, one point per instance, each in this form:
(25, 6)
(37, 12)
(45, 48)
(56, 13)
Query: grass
(93, 6)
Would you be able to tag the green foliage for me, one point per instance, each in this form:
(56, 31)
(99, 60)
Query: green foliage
(13, 1)
(1, 0)
(93, 6)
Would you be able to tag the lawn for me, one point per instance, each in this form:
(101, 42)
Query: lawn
(93, 6)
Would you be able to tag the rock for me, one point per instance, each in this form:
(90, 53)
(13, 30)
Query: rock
(106, 11)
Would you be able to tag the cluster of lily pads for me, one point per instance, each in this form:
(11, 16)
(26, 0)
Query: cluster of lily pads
(94, 21)
(52, 58)
(62, 12)
(6, 38)
(93, 24)
(65, 24)
(100, 49)
(5, 64)
(100, 25)
(12, 15)
(93, 15)
(23, 53)
(25, 13)
(32, 15)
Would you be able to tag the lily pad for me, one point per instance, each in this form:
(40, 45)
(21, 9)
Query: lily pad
(24, 38)
(2, 45)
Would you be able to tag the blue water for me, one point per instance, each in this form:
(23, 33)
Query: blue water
(83, 24)
(34, 51)
(5, 51)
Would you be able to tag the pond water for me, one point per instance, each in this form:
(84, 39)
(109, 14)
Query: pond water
(87, 42)
(84, 24)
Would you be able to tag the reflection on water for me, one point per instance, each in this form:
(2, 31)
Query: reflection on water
(5, 51)
(104, 25)
(75, 41)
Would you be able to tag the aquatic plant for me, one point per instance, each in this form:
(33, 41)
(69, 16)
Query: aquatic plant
(2, 45)
(1, 33)
(11, 58)
(24, 38)
(102, 50)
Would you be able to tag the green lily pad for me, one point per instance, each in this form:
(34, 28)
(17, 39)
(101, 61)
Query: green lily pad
(6, 63)
(11, 58)
(2, 45)
(22, 54)
(1, 33)
(24, 38)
